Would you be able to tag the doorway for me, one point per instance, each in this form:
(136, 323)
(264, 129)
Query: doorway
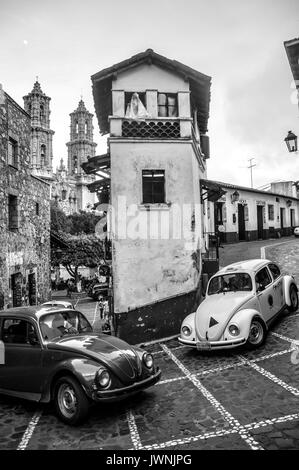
(292, 213)
(260, 222)
(32, 289)
(282, 218)
(241, 222)
(16, 287)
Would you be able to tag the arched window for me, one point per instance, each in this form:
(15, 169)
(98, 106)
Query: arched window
(42, 111)
(43, 154)
(63, 194)
(77, 127)
(75, 163)
(86, 127)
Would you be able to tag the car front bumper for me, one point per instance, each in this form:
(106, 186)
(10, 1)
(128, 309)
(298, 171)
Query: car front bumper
(121, 393)
(212, 345)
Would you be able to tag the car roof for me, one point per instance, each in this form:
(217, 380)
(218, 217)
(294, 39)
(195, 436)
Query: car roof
(251, 265)
(34, 312)
(56, 302)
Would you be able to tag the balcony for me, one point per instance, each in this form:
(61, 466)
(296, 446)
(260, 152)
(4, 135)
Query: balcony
(161, 128)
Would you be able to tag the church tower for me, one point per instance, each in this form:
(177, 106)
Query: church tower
(37, 104)
(81, 146)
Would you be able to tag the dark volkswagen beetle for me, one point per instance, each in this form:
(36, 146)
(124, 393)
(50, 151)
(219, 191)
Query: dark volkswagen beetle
(53, 354)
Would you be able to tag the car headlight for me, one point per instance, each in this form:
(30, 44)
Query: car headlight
(234, 330)
(103, 378)
(186, 330)
(148, 360)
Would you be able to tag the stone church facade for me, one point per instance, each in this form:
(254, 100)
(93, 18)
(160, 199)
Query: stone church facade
(69, 183)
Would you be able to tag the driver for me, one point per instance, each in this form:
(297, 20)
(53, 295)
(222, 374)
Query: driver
(61, 324)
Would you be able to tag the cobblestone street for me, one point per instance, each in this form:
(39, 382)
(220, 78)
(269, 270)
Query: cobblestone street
(239, 399)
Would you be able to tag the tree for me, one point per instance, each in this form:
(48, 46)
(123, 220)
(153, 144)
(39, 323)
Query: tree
(82, 250)
(82, 222)
(59, 221)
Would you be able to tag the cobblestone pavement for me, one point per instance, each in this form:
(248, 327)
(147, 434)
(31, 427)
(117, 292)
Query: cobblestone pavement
(237, 399)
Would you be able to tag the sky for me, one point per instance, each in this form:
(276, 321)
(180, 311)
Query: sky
(239, 43)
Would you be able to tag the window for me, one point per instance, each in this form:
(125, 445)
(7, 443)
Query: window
(63, 194)
(128, 97)
(41, 111)
(262, 279)
(19, 331)
(37, 208)
(42, 154)
(230, 283)
(12, 152)
(167, 105)
(153, 186)
(86, 127)
(77, 127)
(270, 211)
(275, 271)
(12, 212)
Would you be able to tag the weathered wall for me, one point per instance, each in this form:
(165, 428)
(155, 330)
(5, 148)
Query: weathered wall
(146, 77)
(25, 250)
(161, 264)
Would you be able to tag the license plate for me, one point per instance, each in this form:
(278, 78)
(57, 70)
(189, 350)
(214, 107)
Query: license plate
(203, 345)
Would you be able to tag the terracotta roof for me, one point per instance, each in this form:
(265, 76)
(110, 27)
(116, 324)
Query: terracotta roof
(292, 50)
(199, 86)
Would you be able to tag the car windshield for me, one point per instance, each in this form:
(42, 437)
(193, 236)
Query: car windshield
(58, 324)
(232, 282)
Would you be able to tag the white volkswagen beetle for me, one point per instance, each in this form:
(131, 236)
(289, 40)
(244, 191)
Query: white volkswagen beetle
(241, 301)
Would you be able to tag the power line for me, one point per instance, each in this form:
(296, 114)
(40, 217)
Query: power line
(251, 165)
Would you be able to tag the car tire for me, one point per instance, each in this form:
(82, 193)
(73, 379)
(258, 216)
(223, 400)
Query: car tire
(257, 334)
(294, 299)
(71, 402)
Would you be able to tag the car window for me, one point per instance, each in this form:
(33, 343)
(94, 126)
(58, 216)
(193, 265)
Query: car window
(58, 324)
(262, 278)
(18, 331)
(232, 282)
(274, 270)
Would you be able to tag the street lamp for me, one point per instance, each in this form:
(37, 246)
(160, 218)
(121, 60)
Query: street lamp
(291, 142)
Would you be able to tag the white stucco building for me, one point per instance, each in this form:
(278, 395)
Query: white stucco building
(156, 111)
(251, 214)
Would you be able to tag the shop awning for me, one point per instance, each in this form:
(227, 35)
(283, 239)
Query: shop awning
(211, 191)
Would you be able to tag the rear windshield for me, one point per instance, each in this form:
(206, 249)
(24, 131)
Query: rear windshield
(232, 282)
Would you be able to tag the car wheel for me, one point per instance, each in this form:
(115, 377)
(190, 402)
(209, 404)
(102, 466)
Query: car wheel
(71, 402)
(294, 299)
(257, 334)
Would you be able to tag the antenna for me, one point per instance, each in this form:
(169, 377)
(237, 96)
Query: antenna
(251, 165)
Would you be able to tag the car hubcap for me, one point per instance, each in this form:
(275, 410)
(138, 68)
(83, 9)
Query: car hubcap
(67, 400)
(256, 332)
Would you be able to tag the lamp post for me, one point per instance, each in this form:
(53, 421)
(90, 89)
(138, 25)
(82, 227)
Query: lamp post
(291, 142)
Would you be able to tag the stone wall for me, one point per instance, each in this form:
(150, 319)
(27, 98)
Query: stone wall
(24, 245)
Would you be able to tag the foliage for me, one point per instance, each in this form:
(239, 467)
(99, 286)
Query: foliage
(81, 250)
(82, 222)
